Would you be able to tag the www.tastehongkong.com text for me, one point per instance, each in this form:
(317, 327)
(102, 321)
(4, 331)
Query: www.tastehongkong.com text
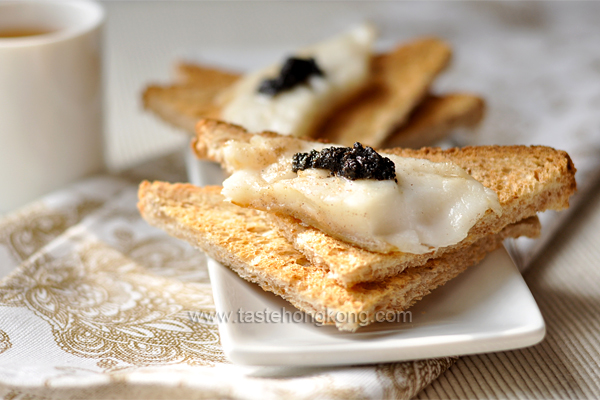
(286, 316)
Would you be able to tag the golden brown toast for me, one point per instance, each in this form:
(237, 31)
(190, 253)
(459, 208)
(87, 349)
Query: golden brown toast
(431, 121)
(527, 180)
(190, 100)
(244, 240)
(399, 82)
(200, 75)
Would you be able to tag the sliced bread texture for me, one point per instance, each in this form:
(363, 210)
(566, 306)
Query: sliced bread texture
(399, 82)
(526, 179)
(431, 121)
(193, 97)
(244, 240)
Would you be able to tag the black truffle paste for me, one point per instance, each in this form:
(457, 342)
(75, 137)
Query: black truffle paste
(295, 71)
(353, 163)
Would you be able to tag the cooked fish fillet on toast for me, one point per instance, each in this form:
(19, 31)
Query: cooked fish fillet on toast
(526, 179)
(244, 240)
(399, 81)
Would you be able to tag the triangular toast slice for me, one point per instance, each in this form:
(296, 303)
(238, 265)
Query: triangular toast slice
(193, 97)
(435, 117)
(526, 179)
(399, 81)
(244, 240)
(184, 103)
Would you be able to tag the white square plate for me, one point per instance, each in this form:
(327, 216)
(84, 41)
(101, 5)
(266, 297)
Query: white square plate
(487, 308)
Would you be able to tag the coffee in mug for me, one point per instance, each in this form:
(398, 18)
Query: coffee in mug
(50, 96)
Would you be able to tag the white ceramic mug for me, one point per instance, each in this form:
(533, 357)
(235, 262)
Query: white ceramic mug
(50, 96)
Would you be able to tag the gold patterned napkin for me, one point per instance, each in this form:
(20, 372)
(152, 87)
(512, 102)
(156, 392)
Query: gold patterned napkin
(97, 306)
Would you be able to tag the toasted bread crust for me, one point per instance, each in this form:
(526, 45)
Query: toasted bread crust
(350, 265)
(201, 75)
(433, 119)
(399, 81)
(527, 180)
(194, 98)
(244, 240)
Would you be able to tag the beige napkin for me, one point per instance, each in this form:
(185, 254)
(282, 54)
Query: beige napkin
(97, 305)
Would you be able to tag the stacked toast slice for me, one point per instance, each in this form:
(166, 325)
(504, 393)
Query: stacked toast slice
(337, 282)
(394, 109)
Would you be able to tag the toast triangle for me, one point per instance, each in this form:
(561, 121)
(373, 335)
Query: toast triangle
(244, 240)
(399, 82)
(527, 180)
